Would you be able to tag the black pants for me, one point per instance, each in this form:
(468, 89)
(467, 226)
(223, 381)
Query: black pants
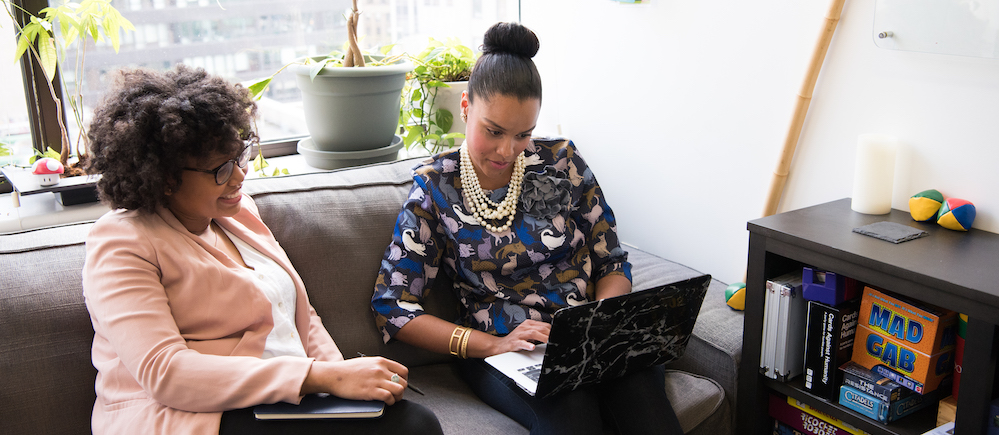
(404, 417)
(633, 404)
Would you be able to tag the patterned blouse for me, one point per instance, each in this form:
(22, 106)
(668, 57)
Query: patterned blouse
(562, 241)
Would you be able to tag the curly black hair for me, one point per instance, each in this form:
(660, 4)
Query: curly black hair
(150, 123)
(505, 67)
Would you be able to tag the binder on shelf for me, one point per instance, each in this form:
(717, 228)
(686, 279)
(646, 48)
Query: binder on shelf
(771, 307)
(829, 340)
(790, 337)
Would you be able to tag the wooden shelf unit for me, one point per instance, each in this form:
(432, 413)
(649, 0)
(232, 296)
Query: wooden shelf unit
(951, 269)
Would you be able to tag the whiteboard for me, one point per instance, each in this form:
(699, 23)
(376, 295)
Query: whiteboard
(957, 27)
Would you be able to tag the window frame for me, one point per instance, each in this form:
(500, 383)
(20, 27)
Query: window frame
(42, 111)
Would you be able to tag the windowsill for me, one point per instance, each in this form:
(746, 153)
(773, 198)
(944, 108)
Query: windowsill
(41, 210)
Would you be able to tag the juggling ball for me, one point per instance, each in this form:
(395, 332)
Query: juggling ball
(924, 205)
(735, 296)
(956, 214)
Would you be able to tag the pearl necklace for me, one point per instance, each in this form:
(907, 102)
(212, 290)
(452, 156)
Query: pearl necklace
(484, 208)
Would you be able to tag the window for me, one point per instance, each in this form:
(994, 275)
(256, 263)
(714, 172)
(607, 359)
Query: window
(15, 129)
(244, 40)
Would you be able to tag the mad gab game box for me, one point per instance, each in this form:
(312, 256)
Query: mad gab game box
(906, 341)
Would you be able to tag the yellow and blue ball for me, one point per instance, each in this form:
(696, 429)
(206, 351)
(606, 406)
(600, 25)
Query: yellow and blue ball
(735, 296)
(956, 214)
(924, 205)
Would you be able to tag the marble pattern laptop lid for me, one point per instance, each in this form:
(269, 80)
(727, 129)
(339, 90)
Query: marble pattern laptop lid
(606, 339)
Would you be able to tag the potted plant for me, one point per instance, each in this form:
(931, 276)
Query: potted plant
(89, 19)
(434, 95)
(352, 103)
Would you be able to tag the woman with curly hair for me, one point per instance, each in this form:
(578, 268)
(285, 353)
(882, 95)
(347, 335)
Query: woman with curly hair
(198, 313)
(522, 228)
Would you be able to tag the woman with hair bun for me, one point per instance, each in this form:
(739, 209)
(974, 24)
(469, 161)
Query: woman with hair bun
(198, 313)
(522, 228)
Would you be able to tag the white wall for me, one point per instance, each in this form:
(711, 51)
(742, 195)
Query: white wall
(682, 107)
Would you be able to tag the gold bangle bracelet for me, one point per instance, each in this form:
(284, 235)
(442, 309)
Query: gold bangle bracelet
(464, 343)
(454, 343)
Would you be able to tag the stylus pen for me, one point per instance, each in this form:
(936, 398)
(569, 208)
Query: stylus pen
(408, 384)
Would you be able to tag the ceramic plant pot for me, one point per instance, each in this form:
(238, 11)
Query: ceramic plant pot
(352, 109)
(450, 99)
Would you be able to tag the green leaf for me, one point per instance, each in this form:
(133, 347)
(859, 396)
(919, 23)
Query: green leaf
(22, 45)
(47, 55)
(413, 133)
(259, 163)
(284, 171)
(257, 88)
(49, 152)
(385, 49)
(444, 119)
(314, 70)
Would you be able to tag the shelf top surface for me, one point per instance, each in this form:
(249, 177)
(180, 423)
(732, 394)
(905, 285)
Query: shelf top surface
(963, 263)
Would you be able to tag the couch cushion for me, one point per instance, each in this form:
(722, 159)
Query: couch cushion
(336, 243)
(45, 331)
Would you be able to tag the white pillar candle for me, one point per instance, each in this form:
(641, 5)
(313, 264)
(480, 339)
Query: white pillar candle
(874, 173)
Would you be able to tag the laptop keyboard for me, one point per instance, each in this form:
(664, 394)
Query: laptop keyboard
(532, 372)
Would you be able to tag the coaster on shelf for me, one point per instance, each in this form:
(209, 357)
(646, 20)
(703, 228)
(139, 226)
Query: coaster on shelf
(891, 231)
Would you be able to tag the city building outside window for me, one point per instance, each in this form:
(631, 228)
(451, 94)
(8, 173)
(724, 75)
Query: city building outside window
(244, 40)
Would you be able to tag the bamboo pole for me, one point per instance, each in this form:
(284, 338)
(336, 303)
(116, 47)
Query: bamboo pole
(801, 108)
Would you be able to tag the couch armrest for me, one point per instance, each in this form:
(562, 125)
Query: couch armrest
(715, 348)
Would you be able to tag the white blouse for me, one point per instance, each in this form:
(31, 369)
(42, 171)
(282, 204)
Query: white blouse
(277, 285)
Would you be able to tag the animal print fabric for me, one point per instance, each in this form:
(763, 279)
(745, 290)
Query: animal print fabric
(560, 243)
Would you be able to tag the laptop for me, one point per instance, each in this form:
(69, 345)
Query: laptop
(607, 339)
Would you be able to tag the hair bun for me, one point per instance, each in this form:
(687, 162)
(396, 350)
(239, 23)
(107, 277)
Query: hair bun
(512, 38)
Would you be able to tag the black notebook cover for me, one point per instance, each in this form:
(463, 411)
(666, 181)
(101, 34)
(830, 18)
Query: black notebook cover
(320, 406)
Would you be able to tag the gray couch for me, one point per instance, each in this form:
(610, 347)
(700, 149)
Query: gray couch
(334, 226)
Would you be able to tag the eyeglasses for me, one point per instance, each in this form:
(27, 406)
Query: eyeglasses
(224, 171)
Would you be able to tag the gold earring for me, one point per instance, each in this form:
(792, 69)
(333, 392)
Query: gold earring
(464, 117)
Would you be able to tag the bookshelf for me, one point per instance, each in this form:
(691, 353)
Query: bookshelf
(954, 270)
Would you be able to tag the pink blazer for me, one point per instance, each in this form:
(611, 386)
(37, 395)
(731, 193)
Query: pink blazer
(178, 330)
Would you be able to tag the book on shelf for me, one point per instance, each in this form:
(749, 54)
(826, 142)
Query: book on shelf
(799, 419)
(827, 287)
(781, 428)
(320, 406)
(829, 336)
(946, 410)
(944, 429)
(784, 339)
(962, 330)
(907, 341)
(885, 411)
(771, 302)
(828, 418)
